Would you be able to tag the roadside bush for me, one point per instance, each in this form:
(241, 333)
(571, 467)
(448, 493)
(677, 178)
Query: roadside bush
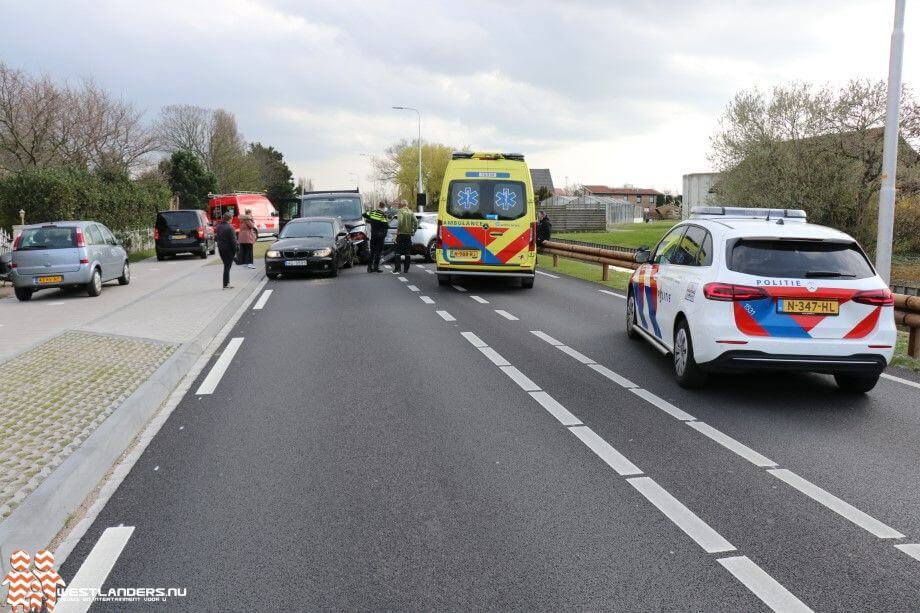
(907, 226)
(110, 198)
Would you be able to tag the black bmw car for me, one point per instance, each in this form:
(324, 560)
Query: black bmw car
(310, 244)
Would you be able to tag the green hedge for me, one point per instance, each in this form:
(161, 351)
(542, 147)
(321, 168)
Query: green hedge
(66, 194)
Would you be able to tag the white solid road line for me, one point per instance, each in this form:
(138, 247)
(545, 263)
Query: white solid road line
(520, 378)
(260, 303)
(763, 585)
(685, 519)
(403, 279)
(609, 293)
(555, 409)
(96, 567)
(546, 337)
(459, 288)
(911, 549)
(426, 299)
(614, 459)
(732, 445)
(475, 340)
(616, 378)
(494, 356)
(844, 509)
(546, 274)
(446, 316)
(220, 367)
(412, 288)
(662, 404)
(578, 356)
(506, 315)
(479, 299)
(900, 380)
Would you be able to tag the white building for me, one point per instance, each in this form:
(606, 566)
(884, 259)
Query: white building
(697, 191)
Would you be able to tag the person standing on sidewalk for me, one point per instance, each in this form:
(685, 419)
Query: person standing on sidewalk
(544, 229)
(406, 226)
(249, 233)
(379, 228)
(226, 245)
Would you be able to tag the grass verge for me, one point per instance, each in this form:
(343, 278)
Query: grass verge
(900, 354)
(258, 252)
(137, 256)
(589, 272)
(624, 235)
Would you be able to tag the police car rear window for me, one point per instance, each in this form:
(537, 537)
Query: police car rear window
(487, 199)
(800, 259)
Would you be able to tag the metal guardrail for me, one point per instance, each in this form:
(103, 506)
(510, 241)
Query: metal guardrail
(906, 307)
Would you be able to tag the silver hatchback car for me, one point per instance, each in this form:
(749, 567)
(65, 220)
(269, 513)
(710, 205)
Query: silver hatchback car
(67, 254)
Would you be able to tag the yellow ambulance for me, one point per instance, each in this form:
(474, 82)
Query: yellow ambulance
(487, 218)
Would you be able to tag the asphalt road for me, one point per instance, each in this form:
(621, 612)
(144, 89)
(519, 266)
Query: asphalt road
(361, 452)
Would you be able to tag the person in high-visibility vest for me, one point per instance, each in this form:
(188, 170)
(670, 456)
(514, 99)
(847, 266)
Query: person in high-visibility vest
(379, 227)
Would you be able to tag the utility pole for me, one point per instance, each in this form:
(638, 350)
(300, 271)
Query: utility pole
(890, 151)
(409, 108)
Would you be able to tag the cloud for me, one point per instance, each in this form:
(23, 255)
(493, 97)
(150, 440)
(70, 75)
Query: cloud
(602, 91)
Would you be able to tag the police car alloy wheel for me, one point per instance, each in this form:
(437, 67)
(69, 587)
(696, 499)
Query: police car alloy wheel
(686, 371)
(631, 318)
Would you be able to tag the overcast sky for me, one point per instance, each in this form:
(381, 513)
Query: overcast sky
(598, 91)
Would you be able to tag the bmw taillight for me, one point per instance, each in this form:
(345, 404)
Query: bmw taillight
(200, 232)
(728, 292)
(81, 242)
(439, 240)
(875, 297)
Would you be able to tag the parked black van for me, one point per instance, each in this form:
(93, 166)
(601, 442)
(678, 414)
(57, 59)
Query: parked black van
(183, 231)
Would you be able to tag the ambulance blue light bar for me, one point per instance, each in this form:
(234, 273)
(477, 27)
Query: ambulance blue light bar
(727, 212)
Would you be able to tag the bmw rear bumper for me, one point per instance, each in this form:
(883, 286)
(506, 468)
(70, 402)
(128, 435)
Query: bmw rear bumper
(741, 360)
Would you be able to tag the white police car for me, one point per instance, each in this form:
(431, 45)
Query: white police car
(735, 289)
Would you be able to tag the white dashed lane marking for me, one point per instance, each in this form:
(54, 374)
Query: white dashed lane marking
(546, 337)
(506, 315)
(546, 274)
(211, 382)
(459, 288)
(520, 378)
(844, 509)
(555, 409)
(403, 279)
(685, 519)
(732, 445)
(412, 288)
(762, 585)
(96, 567)
(602, 449)
(494, 356)
(260, 303)
(912, 549)
(426, 299)
(473, 339)
(446, 316)
(479, 299)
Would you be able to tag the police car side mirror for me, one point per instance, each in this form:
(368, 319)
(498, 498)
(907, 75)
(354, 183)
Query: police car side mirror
(642, 256)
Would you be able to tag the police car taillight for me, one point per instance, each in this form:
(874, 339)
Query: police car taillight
(875, 297)
(727, 292)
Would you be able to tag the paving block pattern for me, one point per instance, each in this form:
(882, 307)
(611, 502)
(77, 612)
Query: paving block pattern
(54, 396)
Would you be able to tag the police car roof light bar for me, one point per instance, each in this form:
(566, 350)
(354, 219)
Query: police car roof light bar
(736, 212)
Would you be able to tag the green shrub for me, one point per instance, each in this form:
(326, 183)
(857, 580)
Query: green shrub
(68, 194)
(907, 226)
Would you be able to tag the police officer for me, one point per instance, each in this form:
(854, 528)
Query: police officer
(379, 227)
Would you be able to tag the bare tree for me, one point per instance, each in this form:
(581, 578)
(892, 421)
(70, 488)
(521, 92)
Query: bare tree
(188, 127)
(33, 129)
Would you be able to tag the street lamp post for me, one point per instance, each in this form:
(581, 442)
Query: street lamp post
(890, 151)
(409, 108)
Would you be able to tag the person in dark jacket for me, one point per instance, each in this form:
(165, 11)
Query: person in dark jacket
(227, 245)
(379, 227)
(544, 228)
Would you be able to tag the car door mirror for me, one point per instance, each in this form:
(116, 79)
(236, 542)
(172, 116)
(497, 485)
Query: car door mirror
(642, 256)
(341, 235)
